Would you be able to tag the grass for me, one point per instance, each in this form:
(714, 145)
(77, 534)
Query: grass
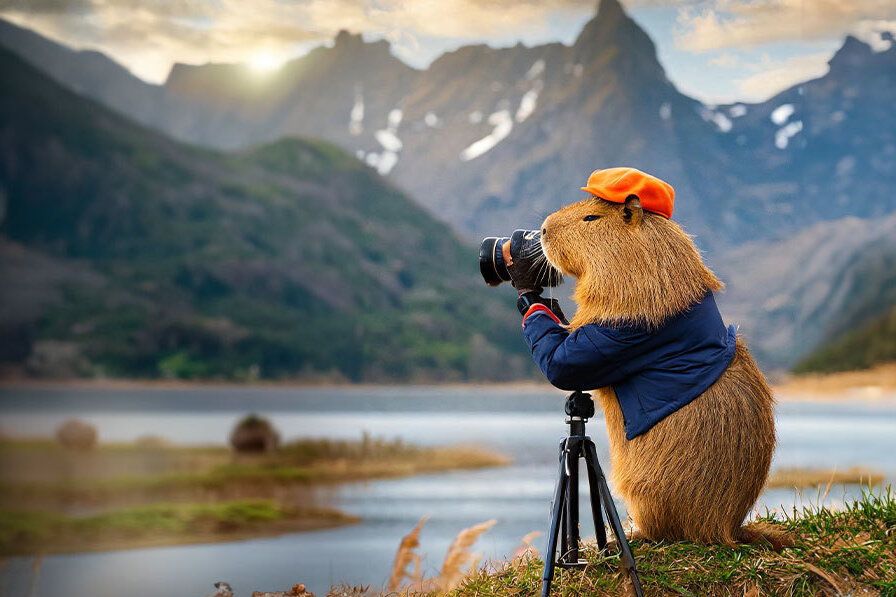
(153, 493)
(128, 473)
(28, 531)
(851, 551)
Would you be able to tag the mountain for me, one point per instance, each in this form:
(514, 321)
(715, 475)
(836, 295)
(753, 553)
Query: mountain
(482, 137)
(491, 139)
(485, 138)
(805, 291)
(230, 106)
(863, 348)
(87, 72)
(126, 253)
(821, 150)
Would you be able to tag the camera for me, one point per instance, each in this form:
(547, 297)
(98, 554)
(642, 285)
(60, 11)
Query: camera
(521, 245)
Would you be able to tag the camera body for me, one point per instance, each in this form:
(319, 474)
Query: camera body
(522, 245)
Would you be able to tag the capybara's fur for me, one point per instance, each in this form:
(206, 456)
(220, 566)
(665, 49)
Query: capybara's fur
(696, 474)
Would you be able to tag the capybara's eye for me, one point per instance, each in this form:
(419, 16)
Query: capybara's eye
(590, 218)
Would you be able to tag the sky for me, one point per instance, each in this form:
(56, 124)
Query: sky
(718, 51)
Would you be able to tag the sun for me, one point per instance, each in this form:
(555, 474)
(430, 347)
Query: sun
(264, 62)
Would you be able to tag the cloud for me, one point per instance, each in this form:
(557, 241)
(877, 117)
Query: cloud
(771, 76)
(747, 23)
(725, 60)
(148, 35)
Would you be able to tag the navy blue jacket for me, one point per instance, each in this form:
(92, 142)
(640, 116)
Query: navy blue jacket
(653, 371)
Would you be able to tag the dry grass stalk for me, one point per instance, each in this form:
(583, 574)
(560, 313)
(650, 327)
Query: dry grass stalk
(351, 591)
(405, 556)
(459, 559)
(526, 550)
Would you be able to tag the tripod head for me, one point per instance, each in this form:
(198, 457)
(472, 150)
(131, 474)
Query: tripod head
(579, 408)
(579, 404)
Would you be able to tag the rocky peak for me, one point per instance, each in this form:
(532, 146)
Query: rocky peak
(612, 28)
(853, 53)
(185, 76)
(609, 16)
(353, 45)
(346, 39)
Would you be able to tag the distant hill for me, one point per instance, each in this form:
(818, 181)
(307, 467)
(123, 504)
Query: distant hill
(863, 348)
(790, 296)
(125, 253)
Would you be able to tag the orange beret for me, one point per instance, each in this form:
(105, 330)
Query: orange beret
(617, 184)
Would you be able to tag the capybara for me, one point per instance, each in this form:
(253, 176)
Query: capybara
(695, 474)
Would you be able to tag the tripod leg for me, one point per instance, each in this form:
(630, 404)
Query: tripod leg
(626, 556)
(600, 531)
(571, 543)
(551, 550)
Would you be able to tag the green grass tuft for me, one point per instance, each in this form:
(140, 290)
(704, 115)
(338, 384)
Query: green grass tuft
(29, 531)
(851, 551)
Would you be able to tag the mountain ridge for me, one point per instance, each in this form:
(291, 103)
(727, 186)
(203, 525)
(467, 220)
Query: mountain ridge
(604, 100)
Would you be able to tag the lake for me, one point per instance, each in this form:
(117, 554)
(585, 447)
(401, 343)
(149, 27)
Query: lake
(524, 423)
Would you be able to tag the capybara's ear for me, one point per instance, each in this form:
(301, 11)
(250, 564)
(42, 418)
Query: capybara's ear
(633, 213)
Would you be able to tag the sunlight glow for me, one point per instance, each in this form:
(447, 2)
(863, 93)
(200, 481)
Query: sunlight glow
(264, 62)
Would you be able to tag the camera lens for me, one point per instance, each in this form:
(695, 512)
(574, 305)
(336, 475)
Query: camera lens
(491, 260)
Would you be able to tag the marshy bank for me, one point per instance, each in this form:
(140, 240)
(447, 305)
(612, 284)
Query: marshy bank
(150, 492)
(876, 384)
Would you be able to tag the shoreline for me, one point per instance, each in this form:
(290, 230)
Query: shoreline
(177, 384)
(876, 385)
(872, 385)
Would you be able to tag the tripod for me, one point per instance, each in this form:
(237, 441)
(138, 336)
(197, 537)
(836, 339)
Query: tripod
(565, 515)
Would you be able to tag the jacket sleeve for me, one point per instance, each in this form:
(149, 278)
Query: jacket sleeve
(570, 361)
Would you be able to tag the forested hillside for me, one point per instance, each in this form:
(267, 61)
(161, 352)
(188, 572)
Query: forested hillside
(125, 253)
(872, 344)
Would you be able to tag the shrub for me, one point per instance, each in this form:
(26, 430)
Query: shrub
(76, 434)
(254, 434)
